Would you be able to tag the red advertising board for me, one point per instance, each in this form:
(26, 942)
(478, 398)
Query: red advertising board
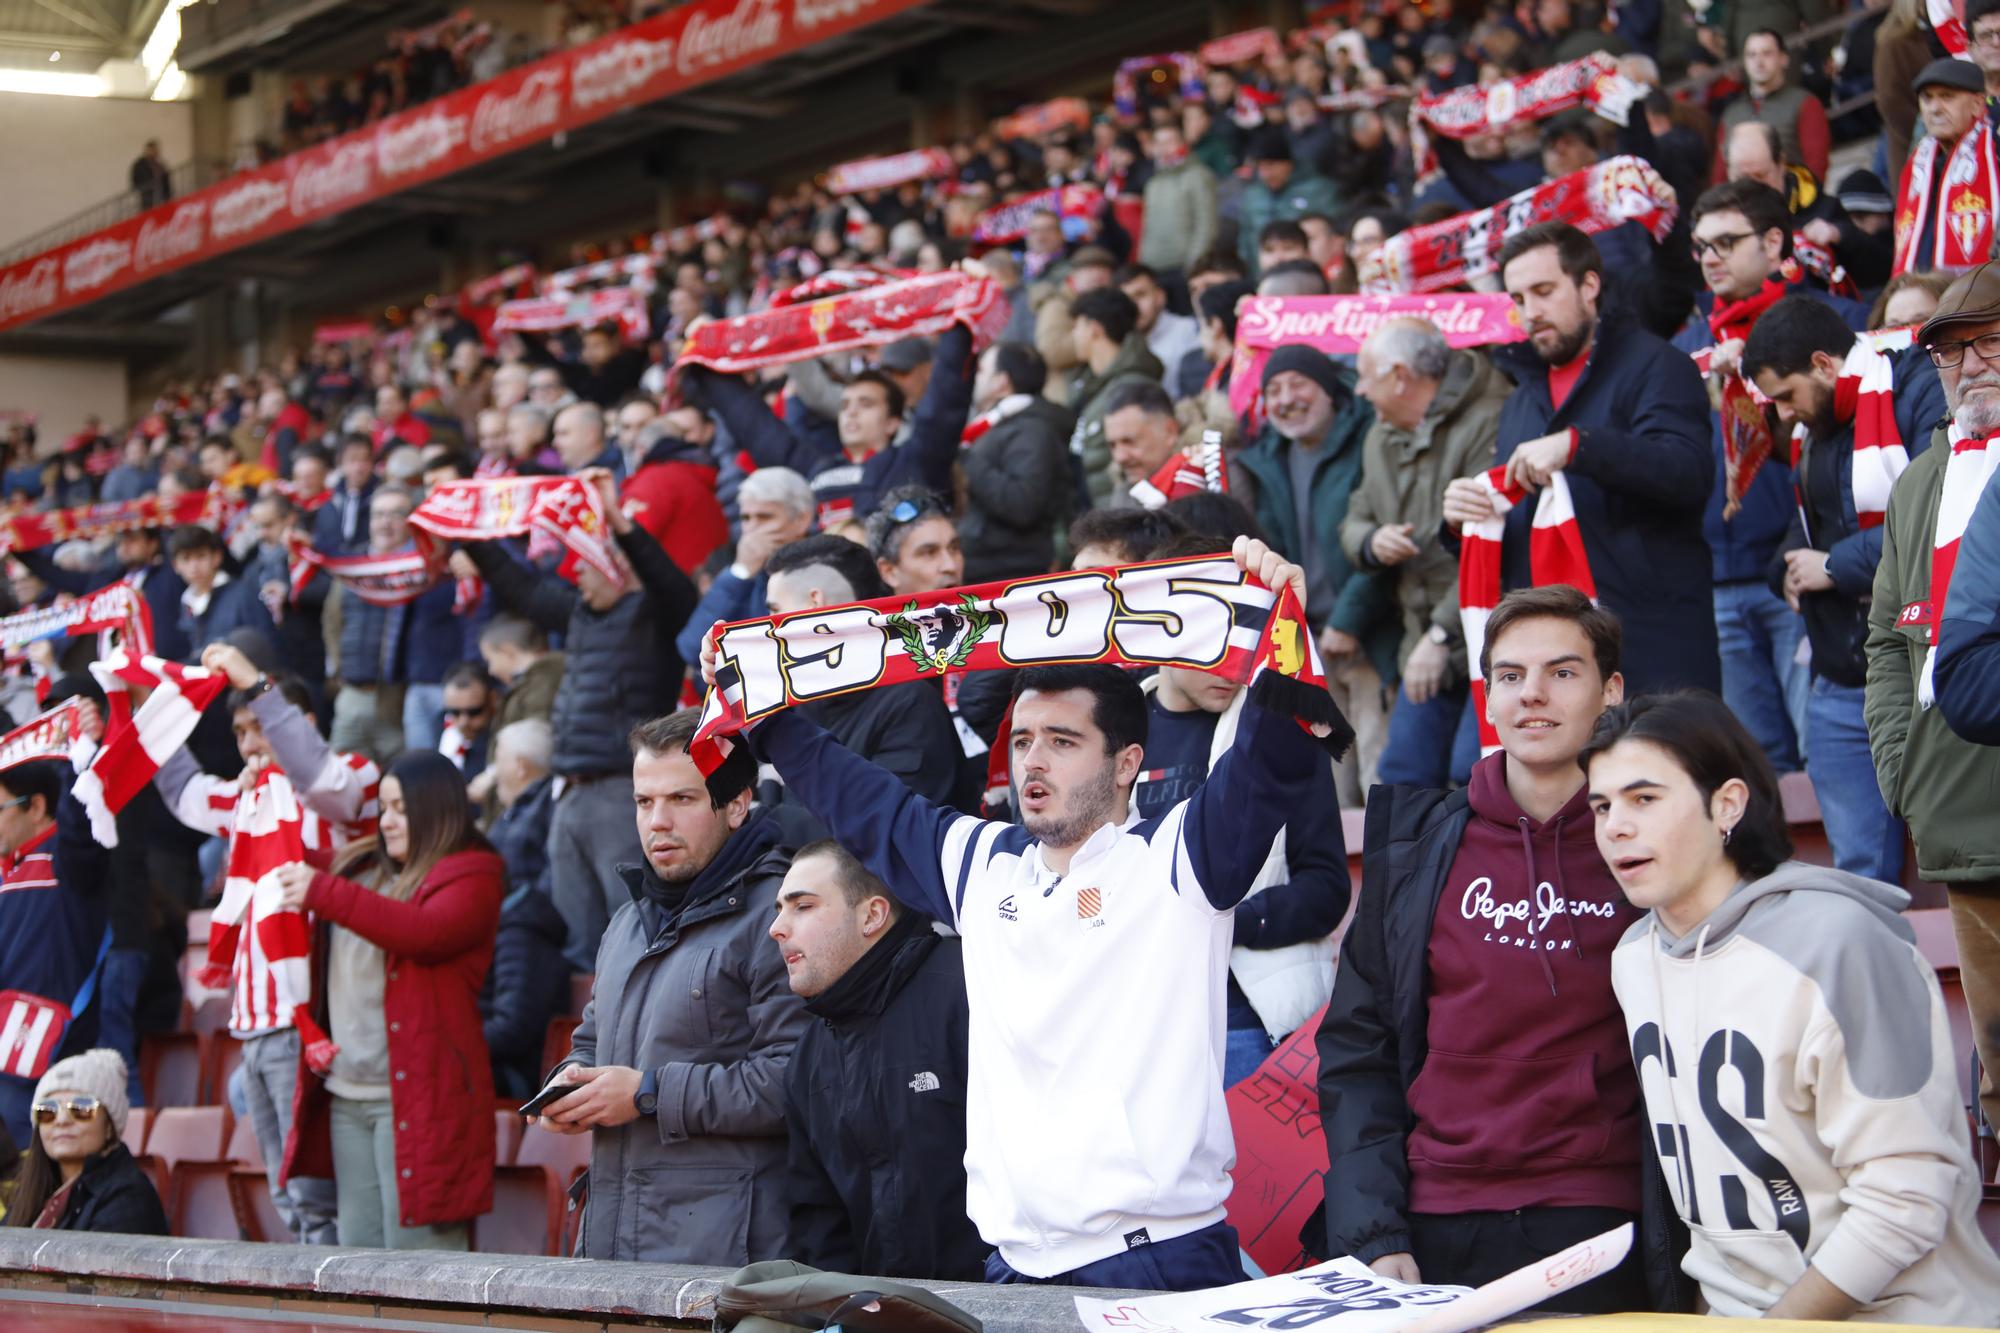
(664, 55)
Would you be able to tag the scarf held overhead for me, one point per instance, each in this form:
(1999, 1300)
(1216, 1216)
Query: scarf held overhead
(118, 607)
(1202, 613)
(137, 743)
(1593, 81)
(49, 736)
(1961, 233)
(1455, 250)
(870, 316)
(28, 532)
(1555, 555)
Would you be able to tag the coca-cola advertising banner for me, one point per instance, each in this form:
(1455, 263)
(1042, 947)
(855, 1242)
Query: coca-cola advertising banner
(1339, 325)
(664, 55)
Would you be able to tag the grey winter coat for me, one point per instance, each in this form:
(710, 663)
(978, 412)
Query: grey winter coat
(700, 997)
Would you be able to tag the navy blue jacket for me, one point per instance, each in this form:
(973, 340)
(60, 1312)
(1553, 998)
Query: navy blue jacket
(1826, 520)
(925, 459)
(436, 638)
(49, 936)
(336, 530)
(231, 606)
(1743, 546)
(1968, 647)
(160, 586)
(1640, 479)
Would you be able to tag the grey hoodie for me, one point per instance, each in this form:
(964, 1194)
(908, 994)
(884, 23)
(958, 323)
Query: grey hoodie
(1798, 1068)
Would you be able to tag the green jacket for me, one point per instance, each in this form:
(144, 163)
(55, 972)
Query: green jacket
(1364, 604)
(1304, 193)
(1403, 476)
(1087, 394)
(1946, 788)
(1180, 217)
(533, 693)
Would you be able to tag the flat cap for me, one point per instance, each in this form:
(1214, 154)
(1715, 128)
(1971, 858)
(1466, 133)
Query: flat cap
(1951, 72)
(1972, 298)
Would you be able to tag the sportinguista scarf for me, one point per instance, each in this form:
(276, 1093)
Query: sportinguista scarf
(1041, 119)
(1203, 613)
(1593, 81)
(1555, 555)
(1962, 232)
(1455, 250)
(136, 744)
(543, 314)
(118, 607)
(52, 735)
(1186, 474)
(1746, 424)
(882, 173)
(870, 316)
(1865, 394)
(1007, 222)
(261, 953)
(1970, 467)
(28, 532)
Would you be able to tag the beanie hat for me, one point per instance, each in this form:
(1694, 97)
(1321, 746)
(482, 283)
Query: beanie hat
(1314, 364)
(100, 1074)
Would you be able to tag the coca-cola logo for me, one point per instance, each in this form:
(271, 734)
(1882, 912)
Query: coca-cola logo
(245, 208)
(95, 264)
(28, 290)
(405, 147)
(345, 174)
(617, 70)
(752, 27)
(531, 110)
(176, 238)
(810, 14)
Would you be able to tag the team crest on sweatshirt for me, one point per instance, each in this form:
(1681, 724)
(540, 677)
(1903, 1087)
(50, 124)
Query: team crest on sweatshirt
(1089, 903)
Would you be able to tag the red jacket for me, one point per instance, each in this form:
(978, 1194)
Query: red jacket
(438, 946)
(672, 496)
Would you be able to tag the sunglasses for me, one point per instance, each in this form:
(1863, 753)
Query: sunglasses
(906, 511)
(79, 1108)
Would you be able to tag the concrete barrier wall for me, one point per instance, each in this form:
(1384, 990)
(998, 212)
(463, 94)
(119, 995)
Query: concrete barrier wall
(461, 1289)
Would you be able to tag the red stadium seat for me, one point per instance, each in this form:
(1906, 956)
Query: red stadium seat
(244, 1150)
(136, 1124)
(555, 1042)
(250, 1196)
(218, 1062)
(156, 1171)
(567, 1156)
(170, 1069)
(186, 1134)
(527, 1213)
(200, 1206)
(507, 1126)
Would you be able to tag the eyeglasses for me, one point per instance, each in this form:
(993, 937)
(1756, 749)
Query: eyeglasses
(1947, 355)
(1986, 37)
(465, 712)
(18, 800)
(79, 1108)
(1721, 245)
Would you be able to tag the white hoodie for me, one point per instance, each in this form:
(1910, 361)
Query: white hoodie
(1799, 1072)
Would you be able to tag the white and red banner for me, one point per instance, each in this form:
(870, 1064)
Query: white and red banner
(850, 318)
(49, 736)
(1238, 47)
(1458, 249)
(118, 607)
(28, 532)
(881, 173)
(1338, 325)
(1007, 222)
(564, 508)
(624, 306)
(682, 48)
(1593, 81)
(1038, 120)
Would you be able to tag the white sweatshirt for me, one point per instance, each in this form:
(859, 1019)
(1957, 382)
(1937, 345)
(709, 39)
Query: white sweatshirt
(1799, 1073)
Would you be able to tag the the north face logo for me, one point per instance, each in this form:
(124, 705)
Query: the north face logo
(925, 1082)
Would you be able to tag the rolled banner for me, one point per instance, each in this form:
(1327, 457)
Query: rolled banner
(1004, 223)
(1457, 249)
(28, 532)
(1239, 47)
(868, 316)
(1593, 81)
(49, 736)
(1044, 118)
(118, 607)
(882, 173)
(624, 306)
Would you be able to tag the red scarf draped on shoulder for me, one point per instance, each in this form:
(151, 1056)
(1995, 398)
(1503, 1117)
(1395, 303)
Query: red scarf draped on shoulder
(1746, 425)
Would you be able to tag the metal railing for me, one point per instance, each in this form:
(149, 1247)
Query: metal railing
(182, 180)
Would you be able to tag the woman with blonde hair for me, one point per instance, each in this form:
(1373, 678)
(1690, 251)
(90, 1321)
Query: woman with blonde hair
(407, 1104)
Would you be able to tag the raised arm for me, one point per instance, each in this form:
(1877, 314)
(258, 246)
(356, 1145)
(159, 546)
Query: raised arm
(74, 581)
(546, 600)
(671, 591)
(326, 783)
(769, 441)
(927, 456)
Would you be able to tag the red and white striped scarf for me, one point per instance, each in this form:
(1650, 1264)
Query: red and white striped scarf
(1009, 406)
(1865, 394)
(1186, 474)
(1962, 230)
(136, 744)
(1970, 467)
(1555, 555)
(260, 952)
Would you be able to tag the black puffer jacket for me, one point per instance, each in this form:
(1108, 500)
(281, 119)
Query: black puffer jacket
(115, 1194)
(875, 1107)
(621, 666)
(527, 985)
(1016, 493)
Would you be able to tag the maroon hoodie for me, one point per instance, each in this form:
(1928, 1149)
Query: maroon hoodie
(1527, 1098)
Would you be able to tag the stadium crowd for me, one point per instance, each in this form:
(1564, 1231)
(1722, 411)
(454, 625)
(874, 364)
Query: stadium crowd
(947, 977)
